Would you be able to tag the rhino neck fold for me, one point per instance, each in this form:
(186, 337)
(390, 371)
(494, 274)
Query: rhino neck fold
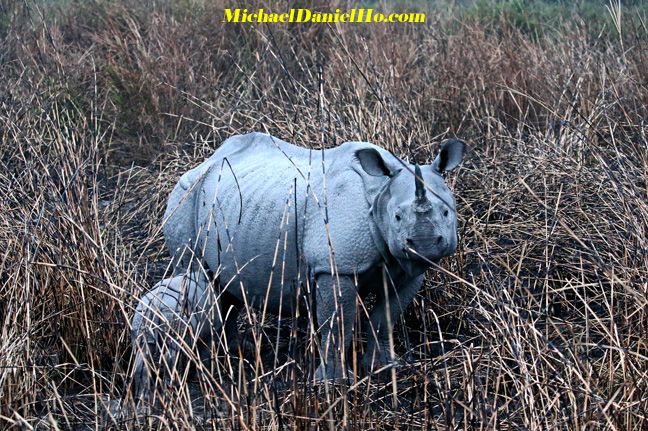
(378, 240)
(377, 234)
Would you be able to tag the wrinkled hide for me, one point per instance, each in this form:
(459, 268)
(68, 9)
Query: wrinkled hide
(275, 219)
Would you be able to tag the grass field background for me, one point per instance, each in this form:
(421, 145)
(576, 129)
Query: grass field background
(538, 322)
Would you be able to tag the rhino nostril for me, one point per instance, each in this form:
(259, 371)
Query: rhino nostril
(439, 239)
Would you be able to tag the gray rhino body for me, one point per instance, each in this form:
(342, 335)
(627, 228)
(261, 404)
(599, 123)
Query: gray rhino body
(273, 219)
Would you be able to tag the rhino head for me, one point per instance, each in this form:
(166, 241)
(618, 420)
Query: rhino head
(413, 210)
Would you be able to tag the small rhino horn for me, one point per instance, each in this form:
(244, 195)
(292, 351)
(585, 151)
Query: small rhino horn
(418, 180)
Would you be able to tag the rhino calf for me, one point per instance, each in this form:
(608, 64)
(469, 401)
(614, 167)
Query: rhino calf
(176, 317)
(272, 217)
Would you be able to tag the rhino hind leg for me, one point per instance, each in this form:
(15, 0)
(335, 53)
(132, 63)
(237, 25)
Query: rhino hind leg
(230, 308)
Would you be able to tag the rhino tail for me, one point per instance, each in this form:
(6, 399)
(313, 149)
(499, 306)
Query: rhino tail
(180, 222)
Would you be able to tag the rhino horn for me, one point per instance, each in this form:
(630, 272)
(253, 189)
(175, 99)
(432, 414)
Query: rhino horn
(422, 202)
(420, 188)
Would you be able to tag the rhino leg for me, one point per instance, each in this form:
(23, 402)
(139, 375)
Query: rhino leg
(224, 338)
(378, 351)
(336, 309)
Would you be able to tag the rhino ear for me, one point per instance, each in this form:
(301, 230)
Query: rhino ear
(451, 154)
(372, 162)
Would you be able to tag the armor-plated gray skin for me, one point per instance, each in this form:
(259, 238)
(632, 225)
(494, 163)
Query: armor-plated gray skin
(269, 217)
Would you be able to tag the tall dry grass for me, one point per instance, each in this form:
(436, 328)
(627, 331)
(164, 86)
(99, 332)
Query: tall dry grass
(539, 321)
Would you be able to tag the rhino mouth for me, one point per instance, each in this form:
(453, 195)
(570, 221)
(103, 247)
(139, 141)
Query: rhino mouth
(413, 262)
(415, 256)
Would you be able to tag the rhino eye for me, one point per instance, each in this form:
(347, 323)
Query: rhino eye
(398, 218)
(445, 213)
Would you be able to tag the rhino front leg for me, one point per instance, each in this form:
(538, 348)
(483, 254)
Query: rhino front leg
(336, 308)
(378, 352)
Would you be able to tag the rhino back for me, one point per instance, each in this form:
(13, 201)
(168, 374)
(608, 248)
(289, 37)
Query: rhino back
(180, 217)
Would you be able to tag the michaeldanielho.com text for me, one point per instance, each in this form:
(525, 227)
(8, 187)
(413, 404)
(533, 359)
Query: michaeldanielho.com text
(309, 16)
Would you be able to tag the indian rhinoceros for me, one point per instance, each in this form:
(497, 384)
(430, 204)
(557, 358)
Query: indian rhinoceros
(272, 219)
